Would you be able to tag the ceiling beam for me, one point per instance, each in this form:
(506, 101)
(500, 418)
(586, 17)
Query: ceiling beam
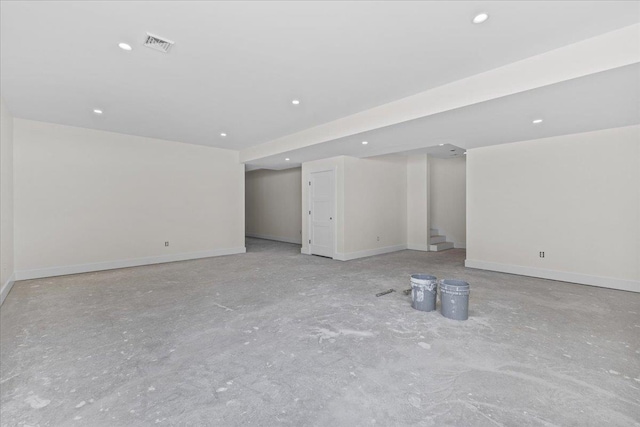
(608, 51)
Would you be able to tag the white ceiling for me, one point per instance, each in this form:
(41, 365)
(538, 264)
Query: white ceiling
(236, 66)
(599, 101)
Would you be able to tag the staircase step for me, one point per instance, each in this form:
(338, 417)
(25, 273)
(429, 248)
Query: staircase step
(434, 232)
(437, 239)
(441, 246)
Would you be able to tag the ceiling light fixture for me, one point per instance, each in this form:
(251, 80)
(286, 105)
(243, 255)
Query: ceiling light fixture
(465, 153)
(440, 145)
(480, 18)
(295, 102)
(536, 121)
(124, 46)
(96, 111)
(223, 134)
(287, 159)
(365, 142)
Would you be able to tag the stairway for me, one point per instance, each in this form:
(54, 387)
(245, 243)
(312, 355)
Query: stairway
(439, 242)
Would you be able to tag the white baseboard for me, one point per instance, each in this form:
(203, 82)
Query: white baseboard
(6, 288)
(276, 238)
(111, 265)
(370, 252)
(418, 247)
(305, 250)
(562, 276)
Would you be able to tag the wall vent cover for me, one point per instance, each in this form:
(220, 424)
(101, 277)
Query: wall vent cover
(158, 43)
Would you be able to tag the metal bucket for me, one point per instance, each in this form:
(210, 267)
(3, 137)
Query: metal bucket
(423, 292)
(454, 299)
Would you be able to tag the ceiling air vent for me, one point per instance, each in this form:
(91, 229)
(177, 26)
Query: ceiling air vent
(158, 43)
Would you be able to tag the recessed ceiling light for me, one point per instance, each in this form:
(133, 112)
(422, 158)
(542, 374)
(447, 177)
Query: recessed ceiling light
(287, 159)
(365, 142)
(295, 102)
(440, 145)
(480, 18)
(223, 134)
(536, 121)
(124, 46)
(96, 111)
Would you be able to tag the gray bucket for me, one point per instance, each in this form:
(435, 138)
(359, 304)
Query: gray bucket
(423, 292)
(454, 299)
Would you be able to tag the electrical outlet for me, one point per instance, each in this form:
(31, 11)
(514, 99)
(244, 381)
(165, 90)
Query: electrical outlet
(166, 243)
(378, 238)
(541, 254)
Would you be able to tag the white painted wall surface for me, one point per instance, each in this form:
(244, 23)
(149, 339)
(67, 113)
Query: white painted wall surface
(273, 203)
(337, 164)
(375, 205)
(448, 198)
(371, 202)
(89, 200)
(6, 201)
(418, 221)
(575, 197)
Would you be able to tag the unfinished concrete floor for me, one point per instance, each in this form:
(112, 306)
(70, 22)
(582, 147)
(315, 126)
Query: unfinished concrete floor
(274, 337)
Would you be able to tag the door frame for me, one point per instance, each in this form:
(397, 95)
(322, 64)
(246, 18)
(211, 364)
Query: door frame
(334, 171)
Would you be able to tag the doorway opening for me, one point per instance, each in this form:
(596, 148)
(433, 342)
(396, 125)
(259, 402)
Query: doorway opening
(273, 210)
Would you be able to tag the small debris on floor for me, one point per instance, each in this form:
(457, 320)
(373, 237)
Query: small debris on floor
(385, 292)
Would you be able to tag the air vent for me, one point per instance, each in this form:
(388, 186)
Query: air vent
(158, 43)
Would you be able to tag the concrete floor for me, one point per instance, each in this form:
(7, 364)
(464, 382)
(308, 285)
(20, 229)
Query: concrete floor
(274, 337)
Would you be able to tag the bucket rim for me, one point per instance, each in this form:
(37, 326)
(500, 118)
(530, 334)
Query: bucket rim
(423, 277)
(453, 284)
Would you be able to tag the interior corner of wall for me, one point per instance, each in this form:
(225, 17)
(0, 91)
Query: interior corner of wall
(6, 288)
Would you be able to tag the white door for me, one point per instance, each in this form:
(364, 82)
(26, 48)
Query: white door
(321, 213)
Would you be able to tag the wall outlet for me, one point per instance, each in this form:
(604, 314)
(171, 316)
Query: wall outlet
(166, 243)
(378, 238)
(541, 254)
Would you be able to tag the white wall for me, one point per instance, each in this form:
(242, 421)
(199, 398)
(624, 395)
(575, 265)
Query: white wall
(575, 197)
(375, 205)
(447, 198)
(371, 203)
(418, 221)
(273, 203)
(89, 200)
(6, 201)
